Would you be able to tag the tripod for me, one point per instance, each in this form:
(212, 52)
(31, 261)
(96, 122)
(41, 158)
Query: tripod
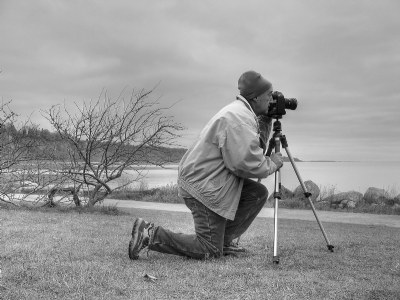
(275, 142)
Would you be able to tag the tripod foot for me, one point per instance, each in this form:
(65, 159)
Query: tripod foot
(330, 248)
(275, 260)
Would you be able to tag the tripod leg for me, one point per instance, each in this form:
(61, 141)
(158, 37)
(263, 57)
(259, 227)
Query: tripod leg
(277, 196)
(307, 194)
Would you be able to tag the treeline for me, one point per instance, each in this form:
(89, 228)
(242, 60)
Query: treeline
(45, 144)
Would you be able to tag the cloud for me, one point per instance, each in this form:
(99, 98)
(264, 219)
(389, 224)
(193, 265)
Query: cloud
(340, 59)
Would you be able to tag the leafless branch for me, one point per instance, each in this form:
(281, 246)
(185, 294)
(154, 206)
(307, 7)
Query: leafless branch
(105, 137)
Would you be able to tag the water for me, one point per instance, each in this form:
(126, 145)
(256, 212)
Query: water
(342, 176)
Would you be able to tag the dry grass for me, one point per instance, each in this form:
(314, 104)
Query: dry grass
(61, 255)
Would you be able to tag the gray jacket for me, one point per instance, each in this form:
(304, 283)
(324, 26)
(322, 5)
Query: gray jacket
(227, 150)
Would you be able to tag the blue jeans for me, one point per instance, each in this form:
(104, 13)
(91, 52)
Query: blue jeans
(212, 230)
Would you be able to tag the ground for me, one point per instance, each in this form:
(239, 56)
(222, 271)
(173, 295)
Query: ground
(72, 255)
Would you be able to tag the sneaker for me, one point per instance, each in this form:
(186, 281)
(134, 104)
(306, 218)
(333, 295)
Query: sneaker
(140, 237)
(233, 249)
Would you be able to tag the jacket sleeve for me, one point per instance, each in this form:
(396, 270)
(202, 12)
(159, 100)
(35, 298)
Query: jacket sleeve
(242, 154)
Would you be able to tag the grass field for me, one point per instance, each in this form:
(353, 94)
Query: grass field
(76, 255)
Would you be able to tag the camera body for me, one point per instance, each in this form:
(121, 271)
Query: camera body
(279, 104)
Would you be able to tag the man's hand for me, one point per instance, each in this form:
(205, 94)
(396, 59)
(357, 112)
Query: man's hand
(277, 159)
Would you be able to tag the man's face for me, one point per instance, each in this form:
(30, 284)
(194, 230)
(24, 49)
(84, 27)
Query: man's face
(262, 102)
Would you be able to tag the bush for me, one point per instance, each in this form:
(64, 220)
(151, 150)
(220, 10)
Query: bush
(364, 207)
(294, 203)
(165, 194)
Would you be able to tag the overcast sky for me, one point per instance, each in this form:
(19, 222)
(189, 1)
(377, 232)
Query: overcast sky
(340, 59)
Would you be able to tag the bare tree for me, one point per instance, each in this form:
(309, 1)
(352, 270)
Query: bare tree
(11, 148)
(10, 151)
(106, 137)
(22, 173)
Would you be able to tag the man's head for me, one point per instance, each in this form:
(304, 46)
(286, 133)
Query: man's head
(257, 91)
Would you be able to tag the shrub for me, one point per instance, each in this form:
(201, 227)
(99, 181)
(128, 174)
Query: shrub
(165, 194)
(294, 203)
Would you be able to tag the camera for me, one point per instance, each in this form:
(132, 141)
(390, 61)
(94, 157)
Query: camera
(279, 104)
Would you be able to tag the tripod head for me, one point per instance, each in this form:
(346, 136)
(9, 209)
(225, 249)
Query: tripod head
(277, 137)
(277, 126)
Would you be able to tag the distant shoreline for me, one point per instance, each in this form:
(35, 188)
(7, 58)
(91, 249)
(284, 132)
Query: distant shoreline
(360, 161)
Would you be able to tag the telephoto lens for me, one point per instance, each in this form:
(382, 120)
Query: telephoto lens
(291, 103)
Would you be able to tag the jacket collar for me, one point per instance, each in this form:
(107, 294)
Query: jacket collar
(247, 104)
(241, 98)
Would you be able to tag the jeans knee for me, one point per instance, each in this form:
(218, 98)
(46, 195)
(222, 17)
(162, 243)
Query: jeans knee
(255, 190)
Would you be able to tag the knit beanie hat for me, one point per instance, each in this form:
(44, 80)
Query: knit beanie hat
(251, 85)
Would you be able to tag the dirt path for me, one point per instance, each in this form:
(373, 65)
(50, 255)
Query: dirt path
(324, 216)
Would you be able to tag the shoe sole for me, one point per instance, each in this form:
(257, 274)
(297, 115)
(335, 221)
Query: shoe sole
(233, 251)
(137, 237)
